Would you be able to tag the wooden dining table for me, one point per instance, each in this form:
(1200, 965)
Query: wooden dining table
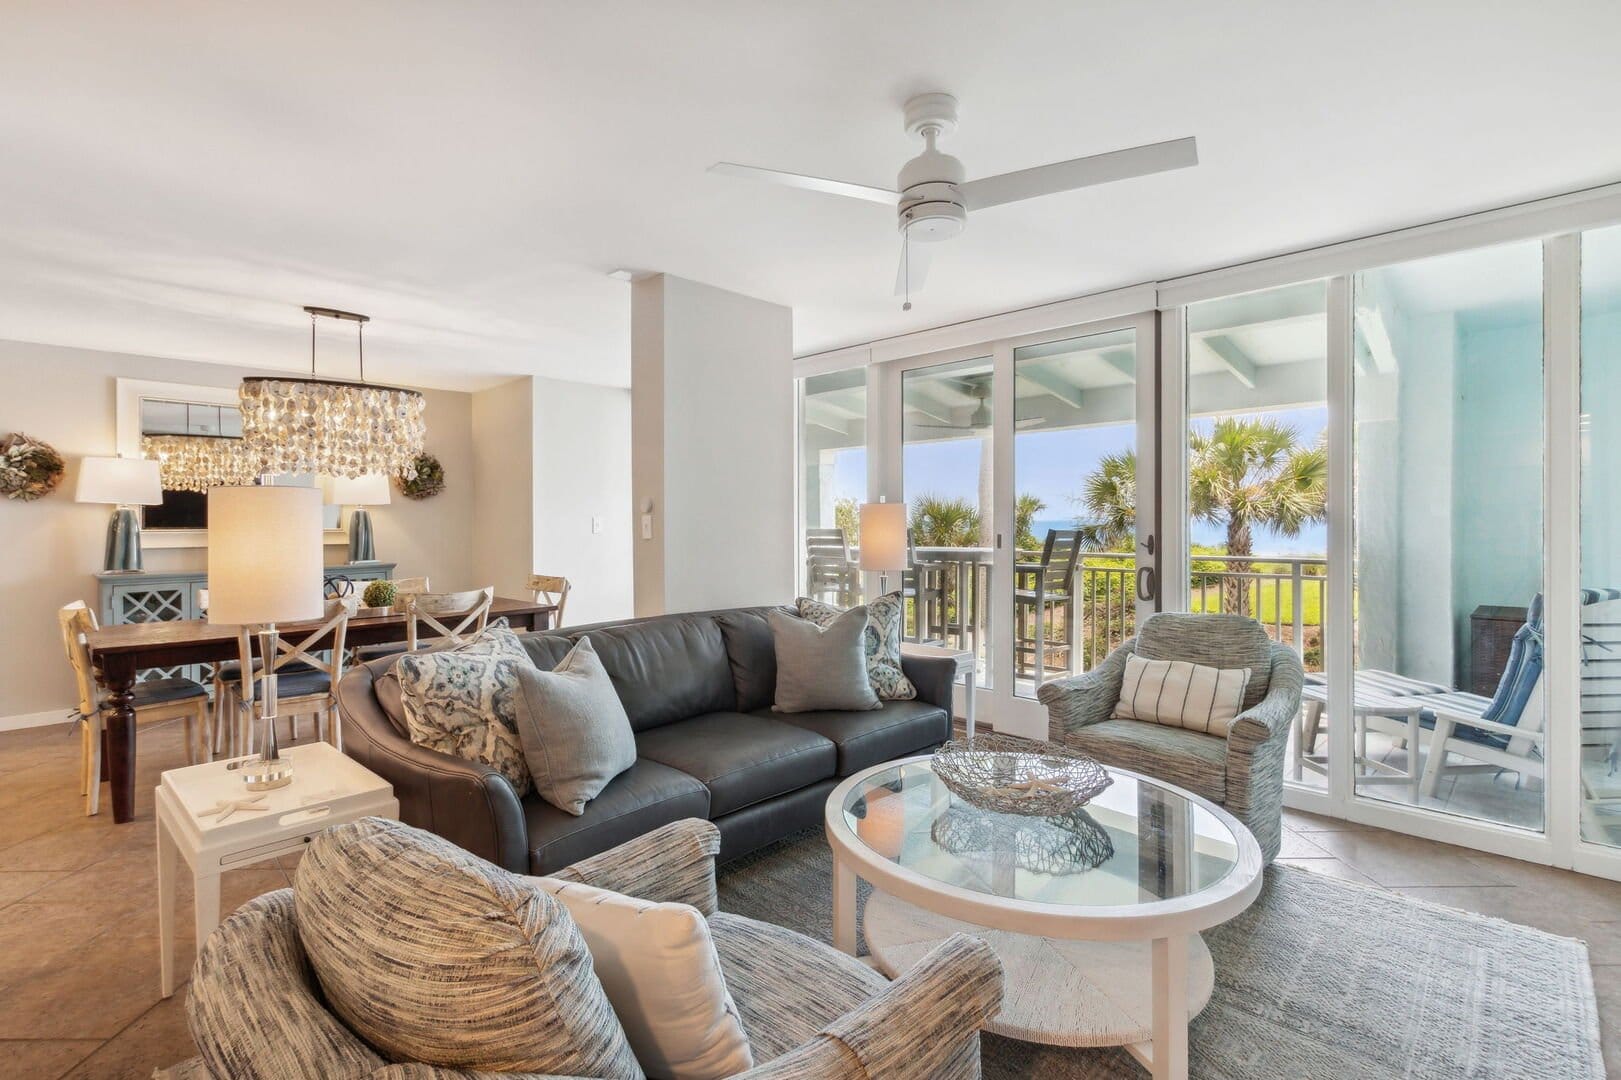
(119, 653)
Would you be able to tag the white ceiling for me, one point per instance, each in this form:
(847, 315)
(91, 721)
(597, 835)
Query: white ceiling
(178, 178)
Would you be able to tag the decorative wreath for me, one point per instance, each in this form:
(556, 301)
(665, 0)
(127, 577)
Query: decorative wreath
(28, 468)
(428, 481)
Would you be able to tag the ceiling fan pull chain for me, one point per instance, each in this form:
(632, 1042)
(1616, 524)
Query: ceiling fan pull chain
(906, 261)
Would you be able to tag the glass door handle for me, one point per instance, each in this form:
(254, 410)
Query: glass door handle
(1145, 583)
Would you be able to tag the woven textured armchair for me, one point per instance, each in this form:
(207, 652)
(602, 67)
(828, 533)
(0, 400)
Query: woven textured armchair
(1242, 772)
(255, 1009)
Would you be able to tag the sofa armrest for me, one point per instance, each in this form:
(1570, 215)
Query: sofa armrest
(674, 863)
(1080, 700)
(935, 678)
(925, 1026)
(254, 1008)
(466, 802)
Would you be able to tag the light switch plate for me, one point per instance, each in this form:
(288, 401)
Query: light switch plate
(647, 526)
(596, 523)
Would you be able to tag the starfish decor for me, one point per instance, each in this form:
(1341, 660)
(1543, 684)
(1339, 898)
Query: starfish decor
(226, 807)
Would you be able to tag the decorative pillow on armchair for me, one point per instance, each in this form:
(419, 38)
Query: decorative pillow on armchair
(1181, 694)
(462, 701)
(881, 644)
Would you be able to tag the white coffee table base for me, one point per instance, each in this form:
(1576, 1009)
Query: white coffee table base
(1062, 993)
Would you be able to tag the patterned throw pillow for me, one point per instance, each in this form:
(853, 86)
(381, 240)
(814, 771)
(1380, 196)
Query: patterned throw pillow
(1177, 693)
(882, 642)
(462, 701)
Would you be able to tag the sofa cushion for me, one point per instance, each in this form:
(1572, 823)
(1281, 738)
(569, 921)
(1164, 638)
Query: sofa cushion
(753, 655)
(787, 986)
(638, 800)
(572, 727)
(741, 759)
(463, 702)
(433, 955)
(898, 729)
(667, 669)
(1185, 758)
(820, 667)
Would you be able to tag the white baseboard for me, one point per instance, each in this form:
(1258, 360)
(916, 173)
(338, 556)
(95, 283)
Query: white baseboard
(19, 721)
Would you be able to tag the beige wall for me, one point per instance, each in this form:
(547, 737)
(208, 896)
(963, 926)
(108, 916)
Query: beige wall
(50, 549)
(503, 544)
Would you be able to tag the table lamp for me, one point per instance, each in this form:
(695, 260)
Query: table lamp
(883, 540)
(264, 567)
(125, 483)
(358, 492)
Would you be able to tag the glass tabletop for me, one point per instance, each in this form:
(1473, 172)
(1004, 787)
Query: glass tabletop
(1137, 842)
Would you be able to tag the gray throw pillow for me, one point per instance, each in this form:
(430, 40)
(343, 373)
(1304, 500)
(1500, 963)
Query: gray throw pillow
(821, 668)
(575, 734)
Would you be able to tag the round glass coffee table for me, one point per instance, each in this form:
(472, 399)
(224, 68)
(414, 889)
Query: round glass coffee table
(1095, 914)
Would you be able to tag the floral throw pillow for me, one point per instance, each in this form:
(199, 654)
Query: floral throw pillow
(881, 643)
(461, 701)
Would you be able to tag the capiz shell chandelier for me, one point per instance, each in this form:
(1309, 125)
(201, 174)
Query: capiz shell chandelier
(331, 426)
(199, 462)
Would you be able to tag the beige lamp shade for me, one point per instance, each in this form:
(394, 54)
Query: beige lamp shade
(264, 554)
(120, 481)
(368, 490)
(883, 536)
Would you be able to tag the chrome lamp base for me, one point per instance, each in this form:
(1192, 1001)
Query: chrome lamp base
(269, 770)
(266, 774)
(123, 554)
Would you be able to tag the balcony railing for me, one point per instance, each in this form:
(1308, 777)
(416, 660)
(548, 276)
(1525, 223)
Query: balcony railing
(1287, 594)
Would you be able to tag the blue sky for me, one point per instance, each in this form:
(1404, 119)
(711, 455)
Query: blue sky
(1053, 464)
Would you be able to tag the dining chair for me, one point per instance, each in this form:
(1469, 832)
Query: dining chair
(550, 589)
(403, 588)
(156, 701)
(472, 606)
(304, 684)
(1046, 588)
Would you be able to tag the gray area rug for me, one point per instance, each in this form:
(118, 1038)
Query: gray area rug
(1320, 979)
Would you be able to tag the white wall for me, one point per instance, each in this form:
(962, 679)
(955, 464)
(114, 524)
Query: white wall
(582, 503)
(51, 549)
(713, 437)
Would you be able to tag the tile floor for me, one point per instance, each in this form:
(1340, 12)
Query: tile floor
(78, 920)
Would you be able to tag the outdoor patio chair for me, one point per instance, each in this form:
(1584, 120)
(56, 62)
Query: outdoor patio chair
(1046, 588)
(830, 572)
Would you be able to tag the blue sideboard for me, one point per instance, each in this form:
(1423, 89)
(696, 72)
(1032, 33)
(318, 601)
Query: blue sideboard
(165, 597)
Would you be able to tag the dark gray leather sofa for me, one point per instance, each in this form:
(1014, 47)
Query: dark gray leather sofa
(698, 690)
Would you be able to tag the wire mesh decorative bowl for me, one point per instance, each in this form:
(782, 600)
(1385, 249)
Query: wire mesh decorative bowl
(1069, 843)
(1019, 776)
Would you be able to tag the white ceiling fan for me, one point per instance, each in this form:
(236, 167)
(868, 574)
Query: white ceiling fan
(934, 199)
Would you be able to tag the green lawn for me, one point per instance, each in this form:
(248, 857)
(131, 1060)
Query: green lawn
(1272, 593)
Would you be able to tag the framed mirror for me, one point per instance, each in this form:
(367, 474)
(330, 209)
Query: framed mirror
(161, 408)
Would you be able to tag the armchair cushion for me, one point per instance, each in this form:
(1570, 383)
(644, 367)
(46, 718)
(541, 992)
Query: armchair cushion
(1188, 759)
(658, 966)
(1222, 641)
(432, 955)
(1181, 694)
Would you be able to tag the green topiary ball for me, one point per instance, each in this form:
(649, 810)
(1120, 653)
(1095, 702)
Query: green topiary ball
(379, 594)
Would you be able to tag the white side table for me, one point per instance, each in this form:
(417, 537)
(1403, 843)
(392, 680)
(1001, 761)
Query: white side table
(327, 789)
(967, 667)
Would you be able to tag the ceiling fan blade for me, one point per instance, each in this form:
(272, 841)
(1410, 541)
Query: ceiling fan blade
(809, 183)
(917, 262)
(1080, 172)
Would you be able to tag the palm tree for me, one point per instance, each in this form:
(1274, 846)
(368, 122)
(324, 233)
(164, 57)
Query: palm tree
(1246, 471)
(938, 521)
(1110, 500)
(1024, 518)
(1252, 471)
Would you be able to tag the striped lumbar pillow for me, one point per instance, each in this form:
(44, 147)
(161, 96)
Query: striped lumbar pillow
(1181, 694)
